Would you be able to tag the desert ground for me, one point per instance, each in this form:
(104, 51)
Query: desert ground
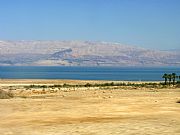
(88, 111)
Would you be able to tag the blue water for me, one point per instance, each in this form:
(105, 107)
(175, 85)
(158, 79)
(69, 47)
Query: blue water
(86, 73)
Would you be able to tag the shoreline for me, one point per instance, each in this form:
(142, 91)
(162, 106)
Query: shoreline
(62, 81)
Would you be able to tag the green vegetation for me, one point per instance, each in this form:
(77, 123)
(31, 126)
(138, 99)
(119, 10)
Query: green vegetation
(165, 76)
(128, 84)
(171, 79)
(36, 86)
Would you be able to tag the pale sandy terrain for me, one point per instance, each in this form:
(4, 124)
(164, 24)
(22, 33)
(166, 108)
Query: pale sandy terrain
(88, 111)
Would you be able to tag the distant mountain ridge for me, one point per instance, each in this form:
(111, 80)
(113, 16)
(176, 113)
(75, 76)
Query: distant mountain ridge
(82, 53)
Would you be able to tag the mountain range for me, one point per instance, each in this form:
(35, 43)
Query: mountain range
(82, 53)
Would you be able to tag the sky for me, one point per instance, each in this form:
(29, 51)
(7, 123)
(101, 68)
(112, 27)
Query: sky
(153, 24)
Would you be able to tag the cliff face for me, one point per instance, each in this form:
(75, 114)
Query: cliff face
(84, 53)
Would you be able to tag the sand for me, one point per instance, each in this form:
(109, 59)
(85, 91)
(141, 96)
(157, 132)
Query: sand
(88, 111)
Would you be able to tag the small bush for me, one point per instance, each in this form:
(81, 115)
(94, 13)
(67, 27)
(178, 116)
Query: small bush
(66, 85)
(178, 85)
(35, 86)
(57, 85)
(87, 85)
(178, 101)
(5, 94)
(112, 84)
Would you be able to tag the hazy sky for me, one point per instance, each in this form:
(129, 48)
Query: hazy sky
(146, 23)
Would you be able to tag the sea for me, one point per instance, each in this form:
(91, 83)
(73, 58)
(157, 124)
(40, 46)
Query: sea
(87, 73)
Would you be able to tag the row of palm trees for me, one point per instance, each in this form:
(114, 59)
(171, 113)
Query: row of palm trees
(171, 78)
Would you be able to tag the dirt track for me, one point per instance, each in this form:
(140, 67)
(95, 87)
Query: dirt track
(93, 112)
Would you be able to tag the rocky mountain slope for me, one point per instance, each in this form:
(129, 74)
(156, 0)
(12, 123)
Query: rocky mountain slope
(83, 53)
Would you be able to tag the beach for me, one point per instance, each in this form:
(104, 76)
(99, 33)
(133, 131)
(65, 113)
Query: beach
(111, 110)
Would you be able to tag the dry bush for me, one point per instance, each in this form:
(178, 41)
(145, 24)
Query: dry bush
(5, 94)
(178, 101)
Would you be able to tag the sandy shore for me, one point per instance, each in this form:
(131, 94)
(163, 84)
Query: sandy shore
(88, 111)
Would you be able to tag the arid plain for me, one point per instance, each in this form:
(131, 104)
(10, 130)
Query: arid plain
(111, 110)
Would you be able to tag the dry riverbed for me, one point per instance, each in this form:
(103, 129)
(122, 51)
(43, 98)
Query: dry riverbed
(88, 111)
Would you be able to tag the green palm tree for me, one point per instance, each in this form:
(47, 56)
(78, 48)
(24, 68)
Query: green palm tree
(169, 78)
(173, 78)
(179, 79)
(165, 76)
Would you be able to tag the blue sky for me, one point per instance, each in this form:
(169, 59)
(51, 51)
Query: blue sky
(151, 24)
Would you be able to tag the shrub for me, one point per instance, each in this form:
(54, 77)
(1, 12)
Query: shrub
(35, 86)
(5, 94)
(66, 85)
(56, 85)
(88, 85)
(178, 85)
(112, 84)
(178, 101)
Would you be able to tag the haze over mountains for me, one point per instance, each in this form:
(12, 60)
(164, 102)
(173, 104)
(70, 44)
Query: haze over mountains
(82, 53)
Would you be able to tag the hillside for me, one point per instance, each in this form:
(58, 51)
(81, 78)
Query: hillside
(83, 53)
